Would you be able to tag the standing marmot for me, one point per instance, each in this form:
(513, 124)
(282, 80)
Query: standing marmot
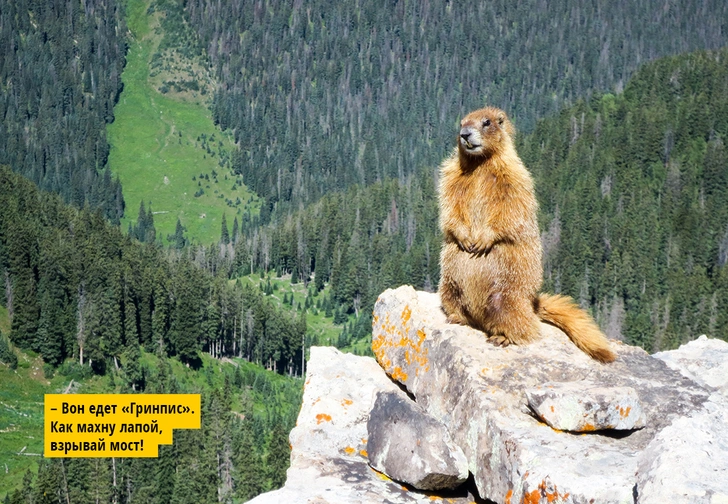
(490, 263)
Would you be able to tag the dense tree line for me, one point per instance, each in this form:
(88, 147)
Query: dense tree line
(322, 96)
(61, 76)
(634, 213)
(77, 287)
(232, 457)
(361, 242)
(634, 201)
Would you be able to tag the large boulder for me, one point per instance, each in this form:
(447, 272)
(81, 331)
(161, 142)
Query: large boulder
(329, 459)
(479, 392)
(410, 446)
(493, 404)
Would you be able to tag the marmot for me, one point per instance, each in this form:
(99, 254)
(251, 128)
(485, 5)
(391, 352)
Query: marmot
(490, 264)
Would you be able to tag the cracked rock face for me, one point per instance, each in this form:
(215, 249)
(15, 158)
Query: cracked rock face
(480, 393)
(329, 445)
(408, 445)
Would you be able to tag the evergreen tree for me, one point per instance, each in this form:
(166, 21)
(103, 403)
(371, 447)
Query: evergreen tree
(224, 233)
(247, 462)
(278, 458)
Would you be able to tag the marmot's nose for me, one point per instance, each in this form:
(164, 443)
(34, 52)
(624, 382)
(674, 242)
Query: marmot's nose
(465, 134)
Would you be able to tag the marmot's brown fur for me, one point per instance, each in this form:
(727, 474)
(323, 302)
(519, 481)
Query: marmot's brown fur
(490, 263)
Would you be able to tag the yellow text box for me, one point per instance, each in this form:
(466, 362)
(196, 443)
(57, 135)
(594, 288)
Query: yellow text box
(115, 425)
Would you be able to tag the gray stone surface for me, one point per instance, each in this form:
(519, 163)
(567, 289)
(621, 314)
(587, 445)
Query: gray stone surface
(703, 360)
(583, 406)
(329, 463)
(478, 391)
(410, 446)
(688, 457)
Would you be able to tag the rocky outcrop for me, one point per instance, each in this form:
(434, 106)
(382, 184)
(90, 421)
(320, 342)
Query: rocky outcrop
(410, 446)
(329, 458)
(496, 402)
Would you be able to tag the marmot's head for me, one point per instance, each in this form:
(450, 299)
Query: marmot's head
(484, 132)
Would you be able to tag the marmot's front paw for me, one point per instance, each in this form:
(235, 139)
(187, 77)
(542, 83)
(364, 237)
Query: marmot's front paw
(475, 247)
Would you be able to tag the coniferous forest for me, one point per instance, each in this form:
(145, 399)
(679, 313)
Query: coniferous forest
(341, 114)
(324, 96)
(61, 76)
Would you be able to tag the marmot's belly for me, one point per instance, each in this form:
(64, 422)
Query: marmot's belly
(508, 269)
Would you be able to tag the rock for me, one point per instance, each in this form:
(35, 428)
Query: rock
(478, 391)
(686, 461)
(702, 360)
(689, 456)
(586, 407)
(410, 446)
(329, 461)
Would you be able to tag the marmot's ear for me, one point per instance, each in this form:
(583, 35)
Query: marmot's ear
(501, 118)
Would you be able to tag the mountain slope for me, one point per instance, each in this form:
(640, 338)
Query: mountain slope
(59, 80)
(165, 148)
(634, 201)
(321, 96)
(634, 212)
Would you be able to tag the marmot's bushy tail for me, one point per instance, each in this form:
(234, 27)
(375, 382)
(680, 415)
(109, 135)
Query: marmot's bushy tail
(578, 325)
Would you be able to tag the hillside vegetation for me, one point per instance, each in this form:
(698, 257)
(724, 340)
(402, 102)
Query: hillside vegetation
(165, 149)
(240, 450)
(634, 212)
(634, 202)
(60, 76)
(321, 96)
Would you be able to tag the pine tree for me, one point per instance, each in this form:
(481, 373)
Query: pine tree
(224, 233)
(186, 328)
(236, 230)
(247, 476)
(279, 457)
(178, 239)
(165, 475)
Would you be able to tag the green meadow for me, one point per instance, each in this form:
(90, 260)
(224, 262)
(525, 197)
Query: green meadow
(321, 330)
(21, 418)
(165, 147)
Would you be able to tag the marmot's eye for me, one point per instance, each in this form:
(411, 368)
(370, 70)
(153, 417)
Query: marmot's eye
(486, 123)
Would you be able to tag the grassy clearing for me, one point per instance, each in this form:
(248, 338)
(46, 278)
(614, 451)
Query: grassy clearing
(166, 149)
(21, 418)
(322, 331)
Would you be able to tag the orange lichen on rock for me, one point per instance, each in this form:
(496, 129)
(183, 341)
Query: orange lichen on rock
(406, 314)
(380, 342)
(399, 375)
(347, 402)
(624, 412)
(542, 491)
(322, 417)
(363, 453)
(508, 496)
(349, 450)
(532, 497)
(389, 337)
